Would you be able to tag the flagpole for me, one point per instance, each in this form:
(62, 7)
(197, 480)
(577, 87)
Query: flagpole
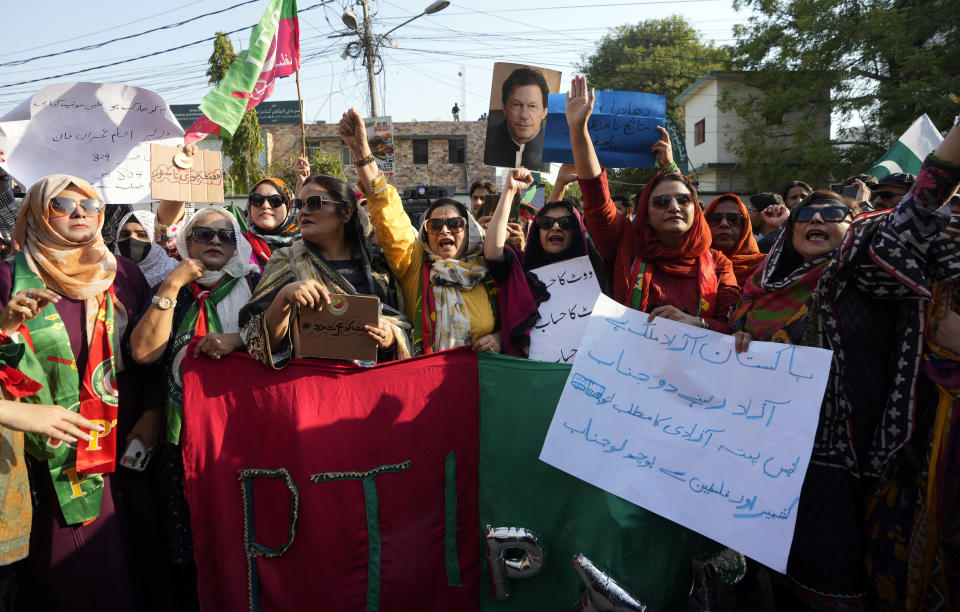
(303, 129)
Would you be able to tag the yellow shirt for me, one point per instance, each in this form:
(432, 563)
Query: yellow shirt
(405, 254)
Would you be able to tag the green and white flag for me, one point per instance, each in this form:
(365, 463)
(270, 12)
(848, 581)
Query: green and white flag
(908, 153)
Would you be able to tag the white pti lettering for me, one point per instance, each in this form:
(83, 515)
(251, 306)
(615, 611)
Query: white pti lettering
(670, 417)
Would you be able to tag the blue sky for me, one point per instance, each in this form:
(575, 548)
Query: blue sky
(420, 78)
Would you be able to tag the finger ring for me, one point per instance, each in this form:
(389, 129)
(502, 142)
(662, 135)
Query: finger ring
(24, 301)
(216, 355)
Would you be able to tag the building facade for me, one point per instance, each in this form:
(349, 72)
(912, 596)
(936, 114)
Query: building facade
(437, 153)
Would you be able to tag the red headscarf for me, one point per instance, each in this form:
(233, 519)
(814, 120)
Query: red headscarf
(691, 259)
(745, 255)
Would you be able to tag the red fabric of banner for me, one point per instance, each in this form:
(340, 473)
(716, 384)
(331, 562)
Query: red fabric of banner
(393, 447)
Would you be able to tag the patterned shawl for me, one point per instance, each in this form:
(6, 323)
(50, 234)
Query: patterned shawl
(265, 241)
(301, 261)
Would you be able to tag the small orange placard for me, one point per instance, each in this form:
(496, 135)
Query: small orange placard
(202, 181)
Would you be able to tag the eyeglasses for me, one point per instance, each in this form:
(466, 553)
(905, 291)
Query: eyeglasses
(546, 223)
(829, 214)
(66, 206)
(314, 203)
(256, 199)
(662, 202)
(883, 195)
(203, 234)
(454, 224)
(716, 218)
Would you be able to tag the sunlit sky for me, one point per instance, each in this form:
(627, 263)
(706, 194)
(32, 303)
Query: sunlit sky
(421, 62)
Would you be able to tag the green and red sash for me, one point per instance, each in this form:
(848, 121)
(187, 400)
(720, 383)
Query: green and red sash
(706, 285)
(76, 471)
(425, 319)
(201, 319)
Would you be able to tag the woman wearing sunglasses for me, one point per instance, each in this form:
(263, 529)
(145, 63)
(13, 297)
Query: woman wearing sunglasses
(556, 234)
(732, 233)
(661, 261)
(201, 297)
(448, 295)
(336, 256)
(858, 287)
(270, 220)
(67, 301)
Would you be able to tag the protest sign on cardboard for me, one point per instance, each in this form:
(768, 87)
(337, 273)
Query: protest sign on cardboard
(336, 330)
(573, 289)
(200, 181)
(95, 131)
(671, 417)
(623, 127)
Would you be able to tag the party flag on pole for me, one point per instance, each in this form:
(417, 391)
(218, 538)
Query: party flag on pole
(908, 153)
(274, 51)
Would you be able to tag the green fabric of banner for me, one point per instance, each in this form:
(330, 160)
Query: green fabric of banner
(649, 556)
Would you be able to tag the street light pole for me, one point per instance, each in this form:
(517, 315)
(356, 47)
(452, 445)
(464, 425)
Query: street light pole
(371, 55)
(371, 47)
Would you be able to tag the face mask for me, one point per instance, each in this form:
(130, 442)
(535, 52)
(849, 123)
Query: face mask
(134, 249)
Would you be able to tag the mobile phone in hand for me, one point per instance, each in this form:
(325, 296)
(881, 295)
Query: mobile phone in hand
(136, 456)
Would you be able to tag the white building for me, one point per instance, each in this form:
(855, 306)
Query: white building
(709, 132)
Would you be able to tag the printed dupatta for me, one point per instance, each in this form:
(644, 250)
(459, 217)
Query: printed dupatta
(706, 285)
(76, 472)
(201, 319)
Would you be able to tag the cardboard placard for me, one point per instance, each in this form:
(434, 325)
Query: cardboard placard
(336, 331)
(202, 182)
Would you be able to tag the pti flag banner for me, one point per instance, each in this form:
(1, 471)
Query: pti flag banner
(329, 486)
(908, 153)
(274, 51)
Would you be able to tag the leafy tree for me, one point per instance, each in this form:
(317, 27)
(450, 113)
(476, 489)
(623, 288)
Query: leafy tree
(879, 63)
(664, 56)
(320, 163)
(246, 144)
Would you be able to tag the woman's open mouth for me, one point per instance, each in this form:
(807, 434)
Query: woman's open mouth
(816, 235)
(446, 242)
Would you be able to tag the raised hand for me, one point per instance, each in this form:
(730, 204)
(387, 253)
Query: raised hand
(579, 103)
(353, 131)
(663, 149)
(518, 179)
(185, 273)
(775, 215)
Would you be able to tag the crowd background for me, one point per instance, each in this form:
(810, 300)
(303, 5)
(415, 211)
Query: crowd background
(871, 275)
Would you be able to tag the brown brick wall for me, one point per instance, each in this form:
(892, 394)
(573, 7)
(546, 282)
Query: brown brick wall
(285, 142)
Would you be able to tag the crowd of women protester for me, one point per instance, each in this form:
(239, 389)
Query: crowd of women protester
(881, 290)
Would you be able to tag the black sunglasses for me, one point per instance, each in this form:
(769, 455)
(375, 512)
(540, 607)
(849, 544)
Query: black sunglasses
(202, 234)
(454, 224)
(662, 202)
(545, 223)
(314, 203)
(731, 218)
(66, 206)
(829, 214)
(256, 199)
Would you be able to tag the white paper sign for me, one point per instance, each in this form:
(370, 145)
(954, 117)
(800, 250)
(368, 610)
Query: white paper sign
(670, 417)
(573, 289)
(95, 131)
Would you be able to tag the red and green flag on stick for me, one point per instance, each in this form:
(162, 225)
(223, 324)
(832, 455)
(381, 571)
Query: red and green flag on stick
(273, 52)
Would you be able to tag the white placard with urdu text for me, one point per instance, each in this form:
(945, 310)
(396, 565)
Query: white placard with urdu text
(670, 417)
(573, 289)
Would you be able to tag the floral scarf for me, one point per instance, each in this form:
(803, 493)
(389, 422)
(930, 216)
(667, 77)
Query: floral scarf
(264, 241)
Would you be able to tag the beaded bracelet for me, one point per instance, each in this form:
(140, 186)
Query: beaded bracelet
(366, 160)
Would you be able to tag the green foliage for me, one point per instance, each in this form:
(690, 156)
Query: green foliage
(663, 56)
(320, 163)
(881, 63)
(245, 146)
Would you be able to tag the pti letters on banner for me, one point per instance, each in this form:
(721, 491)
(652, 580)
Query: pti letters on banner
(670, 417)
(623, 127)
(200, 179)
(573, 289)
(380, 138)
(94, 131)
(330, 486)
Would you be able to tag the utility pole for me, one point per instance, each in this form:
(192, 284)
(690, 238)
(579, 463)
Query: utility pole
(371, 55)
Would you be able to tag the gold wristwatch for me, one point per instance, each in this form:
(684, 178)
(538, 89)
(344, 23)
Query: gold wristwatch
(163, 302)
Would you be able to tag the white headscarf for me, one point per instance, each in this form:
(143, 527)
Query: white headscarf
(238, 266)
(157, 264)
